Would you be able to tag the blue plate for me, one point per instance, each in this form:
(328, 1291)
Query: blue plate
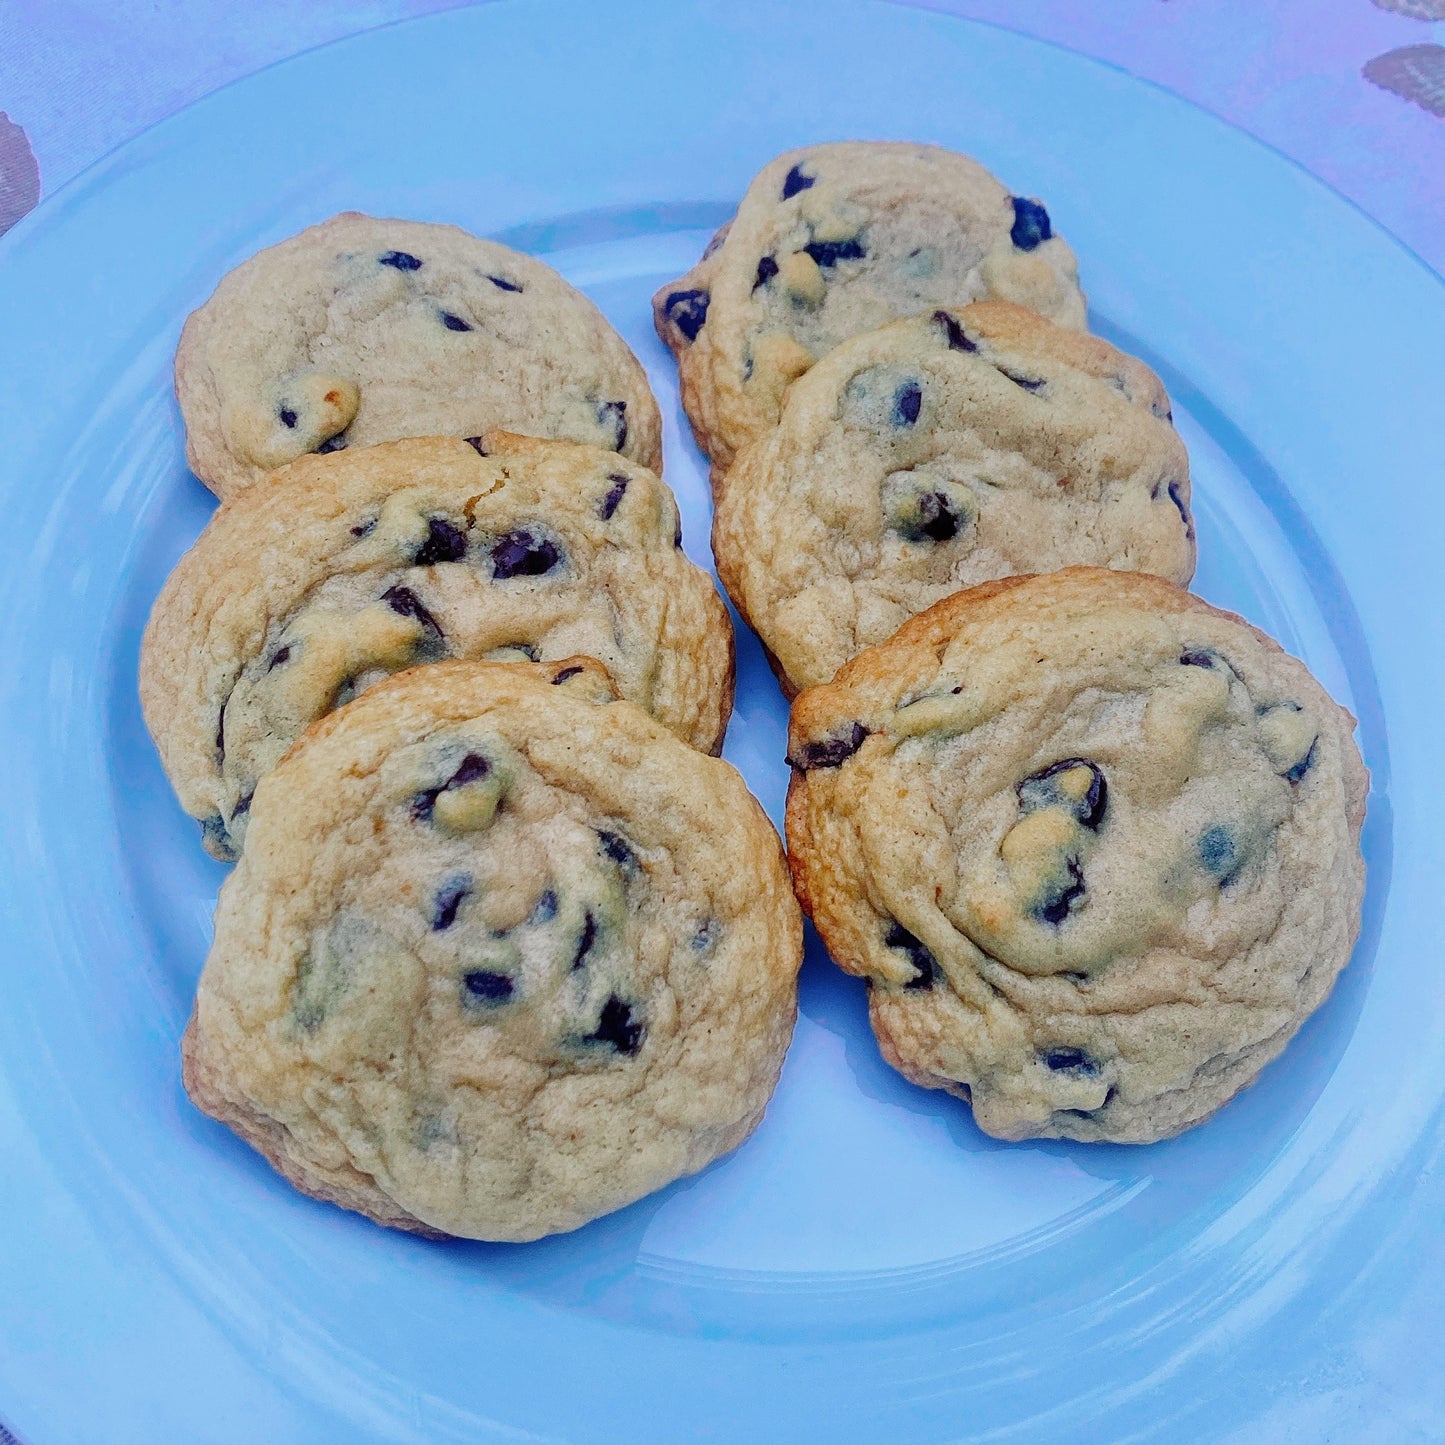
(869, 1267)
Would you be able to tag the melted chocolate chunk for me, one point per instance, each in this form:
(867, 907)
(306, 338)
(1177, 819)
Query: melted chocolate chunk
(1055, 907)
(1029, 383)
(619, 1027)
(364, 529)
(332, 444)
(288, 417)
(957, 337)
(488, 987)
(585, 942)
(936, 518)
(476, 445)
(448, 900)
(1220, 853)
(614, 496)
(472, 769)
(919, 955)
(408, 604)
(565, 673)
(1176, 496)
(502, 284)
(545, 909)
(619, 851)
(907, 403)
(282, 657)
(1304, 765)
(687, 310)
(523, 554)
(453, 322)
(1041, 790)
(829, 253)
(444, 543)
(1198, 658)
(1031, 226)
(401, 260)
(767, 269)
(614, 414)
(796, 181)
(831, 752)
(1069, 1061)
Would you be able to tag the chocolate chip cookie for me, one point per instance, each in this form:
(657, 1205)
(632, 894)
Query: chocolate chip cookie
(501, 955)
(1093, 843)
(338, 570)
(837, 239)
(936, 453)
(362, 330)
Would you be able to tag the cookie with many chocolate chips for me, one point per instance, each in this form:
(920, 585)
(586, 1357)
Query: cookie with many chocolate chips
(362, 330)
(1093, 843)
(936, 453)
(502, 955)
(841, 238)
(338, 570)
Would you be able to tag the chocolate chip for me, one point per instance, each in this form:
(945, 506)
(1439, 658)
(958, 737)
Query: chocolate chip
(957, 337)
(614, 495)
(829, 253)
(444, 543)
(332, 444)
(937, 519)
(767, 269)
(831, 752)
(1031, 224)
(565, 673)
(288, 417)
(619, 851)
(1196, 658)
(919, 955)
(448, 900)
(1304, 764)
(614, 414)
(1069, 1061)
(401, 260)
(618, 1027)
(907, 403)
(1029, 383)
(472, 769)
(1220, 853)
(523, 554)
(364, 529)
(404, 601)
(244, 806)
(1175, 496)
(453, 322)
(283, 656)
(502, 284)
(1040, 790)
(796, 181)
(1054, 907)
(476, 445)
(687, 310)
(544, 910)
(584, 944)
(489, 987)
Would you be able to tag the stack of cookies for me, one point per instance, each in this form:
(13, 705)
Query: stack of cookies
(1093, 844)
(507, 946)
(439, 674)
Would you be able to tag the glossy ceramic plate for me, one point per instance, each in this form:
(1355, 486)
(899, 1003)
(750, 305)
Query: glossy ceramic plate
(869, 1267)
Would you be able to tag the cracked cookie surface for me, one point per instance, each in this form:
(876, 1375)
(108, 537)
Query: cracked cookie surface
(1093, 843)
(339, 570)
(936, 453)
(502, 955)
(840, 238)
(363, 330)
